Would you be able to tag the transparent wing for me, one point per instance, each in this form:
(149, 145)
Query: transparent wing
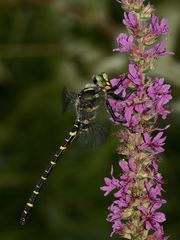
(68, 98)
(96, 135)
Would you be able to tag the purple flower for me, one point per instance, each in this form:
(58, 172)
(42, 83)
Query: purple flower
(125, 43)
(130, 20)
(153, 192)
(120, 84)
(151, 218)
(134, 74)
(158, 50)
(159, 234)
(130, 2)
(160, 94)
(111, 184)
(128, 167)
(158, 28)
(115, 216)
(126, 184)
(157, 177)
(154, 145)
(117, 210)
(131, 118)
(117, 226)
(117, 108)
(158, 88)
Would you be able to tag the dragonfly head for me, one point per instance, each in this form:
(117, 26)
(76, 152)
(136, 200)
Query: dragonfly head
(102, 81)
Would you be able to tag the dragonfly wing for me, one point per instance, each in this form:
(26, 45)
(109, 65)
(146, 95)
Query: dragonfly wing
(96, 135)
(68, 98)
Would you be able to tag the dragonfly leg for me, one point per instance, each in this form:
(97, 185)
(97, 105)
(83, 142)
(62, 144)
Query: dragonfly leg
(110, 110)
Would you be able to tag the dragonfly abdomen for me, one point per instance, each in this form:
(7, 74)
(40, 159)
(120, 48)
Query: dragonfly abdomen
(30, 203)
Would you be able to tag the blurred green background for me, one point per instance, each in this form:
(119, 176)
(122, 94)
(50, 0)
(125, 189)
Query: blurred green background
(45, 45)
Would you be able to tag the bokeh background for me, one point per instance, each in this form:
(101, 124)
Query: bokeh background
(45, 45)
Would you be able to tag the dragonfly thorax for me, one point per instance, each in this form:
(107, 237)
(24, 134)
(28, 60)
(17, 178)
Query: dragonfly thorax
(91, 98)
(89, 85)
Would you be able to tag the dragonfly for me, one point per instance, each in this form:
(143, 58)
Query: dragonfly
(87, 102)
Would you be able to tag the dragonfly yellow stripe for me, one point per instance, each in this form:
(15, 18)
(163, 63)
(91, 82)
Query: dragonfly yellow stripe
(92, 97)
(88, 89)
(92, 109)
(62, 147)
(85, 121)
(29, 204)
(73, 133)
(43, 178)
(35, 192)
(53, 163)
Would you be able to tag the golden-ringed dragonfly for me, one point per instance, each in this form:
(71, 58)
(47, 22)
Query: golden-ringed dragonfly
(87, 103)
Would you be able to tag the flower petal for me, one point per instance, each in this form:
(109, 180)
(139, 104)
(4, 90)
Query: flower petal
(159, 217)
(123, 164)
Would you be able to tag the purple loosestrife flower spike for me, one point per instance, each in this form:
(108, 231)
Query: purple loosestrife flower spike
(134, 212)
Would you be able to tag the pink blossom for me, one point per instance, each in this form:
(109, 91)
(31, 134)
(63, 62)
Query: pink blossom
(158, 28)
(125, 43)
(151, 218)
(153, 145)
(134, 74)
(111, 184)
(160, 94)
(130, 20)
(120, 84)
(158, 50)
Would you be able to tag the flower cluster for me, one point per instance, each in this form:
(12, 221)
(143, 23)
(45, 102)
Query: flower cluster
(134, 213)
(145, 101)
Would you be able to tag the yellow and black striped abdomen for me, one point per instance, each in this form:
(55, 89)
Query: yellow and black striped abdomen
(30, 203)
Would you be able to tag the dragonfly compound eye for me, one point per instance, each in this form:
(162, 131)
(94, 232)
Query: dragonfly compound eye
(99, 80)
